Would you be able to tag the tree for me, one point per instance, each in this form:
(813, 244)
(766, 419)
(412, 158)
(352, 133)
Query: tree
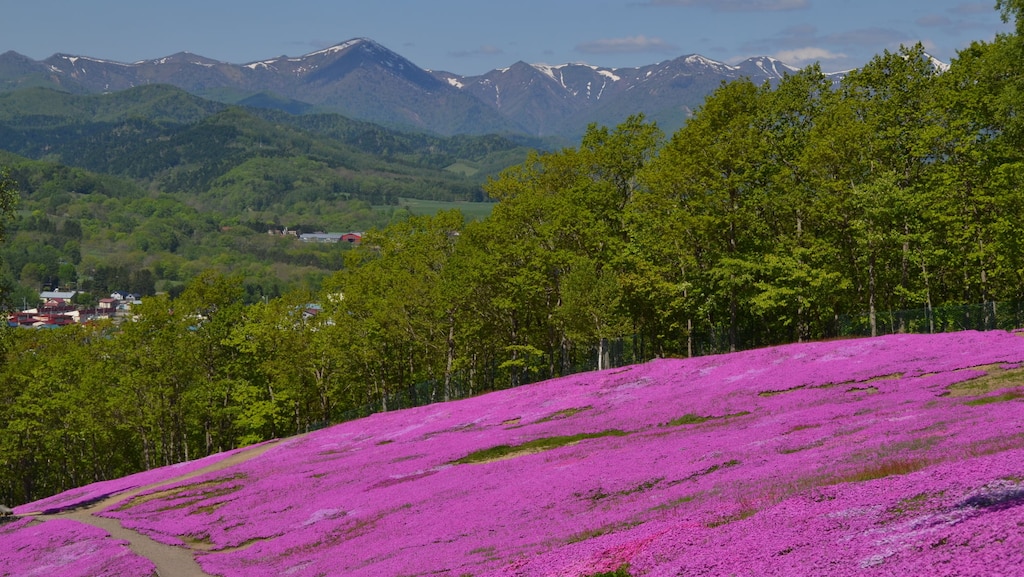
(8, 200)
(715, 171)
(55, 427)
(558, 224)
(1012, 10)
(871, 154)
(389, 309)
(275, 348)
(797, 288)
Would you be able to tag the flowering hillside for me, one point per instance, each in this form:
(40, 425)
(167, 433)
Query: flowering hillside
(900, 455)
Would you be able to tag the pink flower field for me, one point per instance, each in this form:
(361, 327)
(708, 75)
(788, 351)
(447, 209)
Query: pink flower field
(899, 455)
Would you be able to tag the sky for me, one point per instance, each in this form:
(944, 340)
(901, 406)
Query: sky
(470, 37)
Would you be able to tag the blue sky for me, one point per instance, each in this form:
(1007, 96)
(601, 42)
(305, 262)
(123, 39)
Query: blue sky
(473, 36)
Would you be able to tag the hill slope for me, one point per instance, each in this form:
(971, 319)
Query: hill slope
(900, 455)
(175, 142)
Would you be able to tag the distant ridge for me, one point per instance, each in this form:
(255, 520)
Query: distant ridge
(366, 81)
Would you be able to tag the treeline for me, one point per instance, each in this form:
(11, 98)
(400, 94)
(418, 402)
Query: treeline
(768, 216)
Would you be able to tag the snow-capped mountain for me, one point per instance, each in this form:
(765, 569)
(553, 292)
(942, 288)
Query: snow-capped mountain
(364, 80)
(563, 99)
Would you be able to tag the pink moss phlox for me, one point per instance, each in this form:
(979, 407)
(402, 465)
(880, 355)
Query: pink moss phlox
(831, 458)
(66, 548)
(100, 490)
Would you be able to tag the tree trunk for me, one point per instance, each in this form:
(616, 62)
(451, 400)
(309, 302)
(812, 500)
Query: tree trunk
(450, 360)
(871, 296)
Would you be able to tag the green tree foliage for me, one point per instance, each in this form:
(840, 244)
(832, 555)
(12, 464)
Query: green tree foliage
(557, 232)
(8, 200)
(393, 298)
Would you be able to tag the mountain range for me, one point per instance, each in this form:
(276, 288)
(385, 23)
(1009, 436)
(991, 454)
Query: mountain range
(366, 81)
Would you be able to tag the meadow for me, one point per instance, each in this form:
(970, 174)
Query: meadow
(897, 455)
(471, 210)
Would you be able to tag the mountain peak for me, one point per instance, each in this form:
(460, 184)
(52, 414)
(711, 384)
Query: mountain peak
(343, 46)
(766, 66)
(698, 60)
(939, 65)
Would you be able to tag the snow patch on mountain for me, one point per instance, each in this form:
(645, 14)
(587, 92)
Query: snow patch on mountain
(338, 47)
(773, 67)
(698, 60)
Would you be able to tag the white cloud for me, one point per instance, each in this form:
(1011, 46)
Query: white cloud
(808, 55)
(626, 45)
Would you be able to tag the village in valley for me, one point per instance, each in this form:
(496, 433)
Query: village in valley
(56, 309)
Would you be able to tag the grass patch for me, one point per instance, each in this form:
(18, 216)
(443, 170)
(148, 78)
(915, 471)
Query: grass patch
(502, 452)
(622, 571)
(591, 533)
(1007, 396)
(564, 414)
(240, 547)
(202, 496)
(798, 448)
(216, 490)
(781, 391)
(672, 504)
(708, 471)
(910, 505)
(208, 509)
(599, 494)
(471, 210)
(453, 429)
(865, 390)
(994, 445)
(802, 428)
(645, 486)
(882, 470)
(892, 377)
(694, 419)
(200, 543)
(996, 379)
(725, 520)
(687, 419)
(901, 451)
(463, 168)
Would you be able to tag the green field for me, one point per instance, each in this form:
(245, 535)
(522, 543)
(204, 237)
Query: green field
(471, 210)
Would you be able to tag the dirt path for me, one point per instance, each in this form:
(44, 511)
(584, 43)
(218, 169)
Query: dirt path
(170, 560)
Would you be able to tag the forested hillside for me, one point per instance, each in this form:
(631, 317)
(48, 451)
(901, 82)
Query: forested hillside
(770, 215)
(159, 184)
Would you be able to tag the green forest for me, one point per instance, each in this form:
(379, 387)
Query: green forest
(771, 214)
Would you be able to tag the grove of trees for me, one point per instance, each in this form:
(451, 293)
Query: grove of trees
(772, 213)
